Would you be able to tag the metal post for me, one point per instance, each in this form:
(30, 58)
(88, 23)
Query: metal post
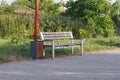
(53, 50)
(81, 47)
(36, 20)
(72, 45)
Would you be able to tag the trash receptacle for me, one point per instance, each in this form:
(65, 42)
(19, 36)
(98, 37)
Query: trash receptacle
(39, 53)
(36, 49)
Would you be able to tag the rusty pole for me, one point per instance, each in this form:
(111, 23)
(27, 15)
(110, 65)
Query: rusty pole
(36, 20)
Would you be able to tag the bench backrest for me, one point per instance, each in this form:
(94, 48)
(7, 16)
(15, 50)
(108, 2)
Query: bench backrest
(56, 35)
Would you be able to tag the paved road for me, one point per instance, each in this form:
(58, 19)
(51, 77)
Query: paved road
(102, 66)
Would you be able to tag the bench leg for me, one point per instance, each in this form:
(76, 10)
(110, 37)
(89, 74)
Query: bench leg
(82, 48)
(43, 52)
(53, 50)
(72, 49)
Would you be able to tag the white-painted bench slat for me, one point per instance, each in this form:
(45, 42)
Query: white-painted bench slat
(55, 41)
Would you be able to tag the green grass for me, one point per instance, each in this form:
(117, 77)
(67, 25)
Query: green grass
(101, 44)
(13, 52)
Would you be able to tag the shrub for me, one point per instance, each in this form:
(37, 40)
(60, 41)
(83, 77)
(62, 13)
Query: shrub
(83, 33)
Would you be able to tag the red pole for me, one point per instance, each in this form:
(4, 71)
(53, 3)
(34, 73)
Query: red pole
(36, 20)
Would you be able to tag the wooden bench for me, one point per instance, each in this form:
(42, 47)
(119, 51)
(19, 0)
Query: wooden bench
(56, 40)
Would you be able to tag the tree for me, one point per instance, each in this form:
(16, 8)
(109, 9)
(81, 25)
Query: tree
(46, 6)
(8, 9)
(116, 15)
(81, 8)
(5, 8)
(116, 8)
(89, 12)
(49, 7)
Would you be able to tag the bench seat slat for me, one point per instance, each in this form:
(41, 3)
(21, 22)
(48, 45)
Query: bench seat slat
(61, 45)
(54, 35)
(57, 38)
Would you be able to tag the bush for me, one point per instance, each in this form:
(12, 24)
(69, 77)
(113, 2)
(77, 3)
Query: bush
(15, 26)
(83, 33)
(20, 28)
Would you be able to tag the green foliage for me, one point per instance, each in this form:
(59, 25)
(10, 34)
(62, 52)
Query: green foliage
(54, 23)
(76, 25)
(94, 14)
(116, 8)
(27, 3)
(16, 27)
(116, 15)
(13, 52)
(8, 9)
(106, 25)
(20, 28)
(49, 7)
(85, 18)
(45, 6)
(83, 33)
(97, 44)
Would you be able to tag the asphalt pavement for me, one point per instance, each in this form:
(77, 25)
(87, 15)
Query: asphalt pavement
(103, 65)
